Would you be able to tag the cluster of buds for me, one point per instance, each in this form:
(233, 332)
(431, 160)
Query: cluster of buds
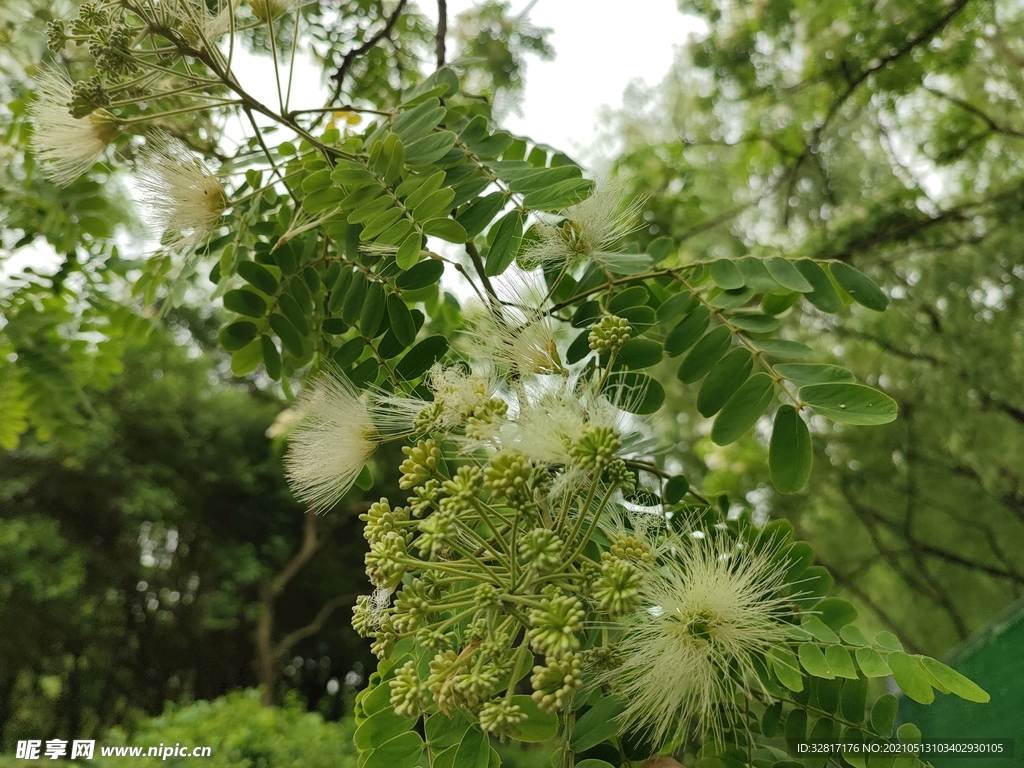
(609, 334)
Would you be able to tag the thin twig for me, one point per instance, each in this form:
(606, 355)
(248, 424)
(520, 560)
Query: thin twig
(355, 53)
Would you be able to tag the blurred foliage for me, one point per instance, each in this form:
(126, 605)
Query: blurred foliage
(132, 557)
(240, 732)
(886, 136)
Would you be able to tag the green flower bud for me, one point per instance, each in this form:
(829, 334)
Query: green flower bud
(554, 625)
(436, 532)
(433, 639)
(498, 649)
(477, 630)
(470, 688)
(555, 683)
(501, 718)
(421, 463)
(380, 520)
(90, 17)
(424, 496)
(427, 418)
(384, 642)
(616, 590)
(481, 423)
(87, 96)
(486, 596)
(507, 474)
(466, 483)
(409, 696)
(596, 448)
(609, 334)
(382, 561)
(542, 549)
(629, 548)
(367, 616)
(57, 35)
(442, 674)
(603, 657)
(617, 473)
(411, 607)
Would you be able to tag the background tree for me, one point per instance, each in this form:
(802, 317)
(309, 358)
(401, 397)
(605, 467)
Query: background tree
(886, 137)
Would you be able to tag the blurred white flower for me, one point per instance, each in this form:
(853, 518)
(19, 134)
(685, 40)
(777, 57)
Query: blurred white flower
(707, 611)
(182, 197)
(282, 424)
(67, 146)
(518, 337)
(554, 415)
(330, 443)
(591, 230)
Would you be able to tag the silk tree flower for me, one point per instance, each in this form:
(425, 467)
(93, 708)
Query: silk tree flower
(330, 443)
(459, 397)
(182, 196)
(591, 229)
(556, 418)
(518, 336)
(67, 146)
(708, 609)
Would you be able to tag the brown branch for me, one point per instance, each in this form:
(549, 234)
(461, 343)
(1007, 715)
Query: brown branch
(266, 654)
(442, 31)
(281, 648)
(355, 53)
(979, 113)
(310, 544)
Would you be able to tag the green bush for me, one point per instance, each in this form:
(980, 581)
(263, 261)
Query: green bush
(239, 732)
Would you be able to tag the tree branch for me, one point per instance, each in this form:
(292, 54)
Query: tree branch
(442, 31)
(812, 146)
(281, 648)
(355, 53)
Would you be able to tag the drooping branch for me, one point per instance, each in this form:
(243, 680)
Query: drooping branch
(854, 83)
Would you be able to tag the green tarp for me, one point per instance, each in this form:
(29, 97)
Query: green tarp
(995, 660)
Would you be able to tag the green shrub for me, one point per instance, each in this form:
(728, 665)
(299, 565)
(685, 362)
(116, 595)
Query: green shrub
(239, 732)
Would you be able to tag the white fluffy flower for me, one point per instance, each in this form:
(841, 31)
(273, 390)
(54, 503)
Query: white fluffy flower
(707, 611)
(67, 146)
(591, 230)
(457, 395)
(183, 198)
(553, 415)
(518, 336)
(330, 443)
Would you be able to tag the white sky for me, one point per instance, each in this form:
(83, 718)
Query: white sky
(599, 50)
(600, 47)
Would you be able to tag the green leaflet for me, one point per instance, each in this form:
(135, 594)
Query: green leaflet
(954, 681)
(859, 286)
(790, 453)
(723, 381)
(849, 403)
(704, 355)
(596, 725)
(743, 409)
